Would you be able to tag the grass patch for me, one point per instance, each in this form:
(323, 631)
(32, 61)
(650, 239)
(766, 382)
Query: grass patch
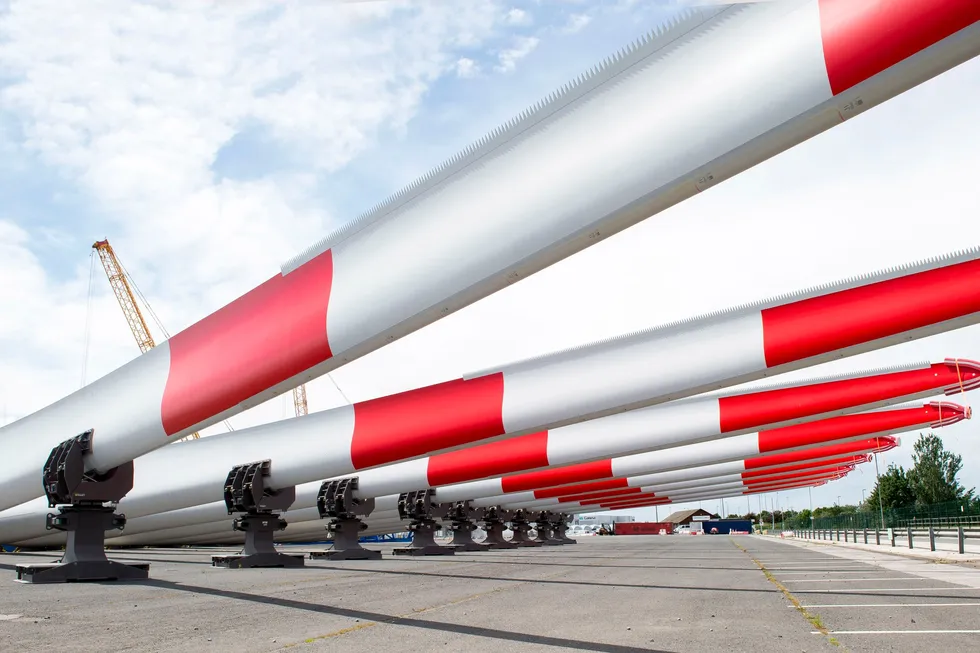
(814, 619)
(336, 633)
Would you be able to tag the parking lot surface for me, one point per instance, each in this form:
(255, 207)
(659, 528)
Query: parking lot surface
(610, 594)
(875, 600)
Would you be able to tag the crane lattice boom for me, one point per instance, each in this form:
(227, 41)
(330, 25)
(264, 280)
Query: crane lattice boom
(299, 400)
(124, 294)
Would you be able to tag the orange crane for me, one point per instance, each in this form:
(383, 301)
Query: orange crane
(299, 400)
(124, 294)
(122, 286)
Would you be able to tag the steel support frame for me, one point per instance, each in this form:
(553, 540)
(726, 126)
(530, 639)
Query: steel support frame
(545, 528)
(246, 492)
(463, 517)
(521, 527)
(495, 521)
(337, 503)
(423, 513)
(86, 504)
(559, 528)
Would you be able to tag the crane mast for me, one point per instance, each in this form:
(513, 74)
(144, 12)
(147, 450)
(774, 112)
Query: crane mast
(299, 400)
(124, 295)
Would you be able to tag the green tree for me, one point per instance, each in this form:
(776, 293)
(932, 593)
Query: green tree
(803, 518)
(934, 470)
(833, 511)
(825, 511)
(895, 488)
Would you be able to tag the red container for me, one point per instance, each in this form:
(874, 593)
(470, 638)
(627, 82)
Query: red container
(642, 528)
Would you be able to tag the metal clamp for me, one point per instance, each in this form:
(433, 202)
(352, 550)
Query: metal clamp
(66, 481)
(336, 500)
(245, 490)
(418, 505)
(423, 512)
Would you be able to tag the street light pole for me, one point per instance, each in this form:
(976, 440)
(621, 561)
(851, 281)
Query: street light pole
(809, 491)
(881, 507)
(782, 512)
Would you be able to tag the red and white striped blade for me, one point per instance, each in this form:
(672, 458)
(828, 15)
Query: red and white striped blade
(548, 184)
(799, 437)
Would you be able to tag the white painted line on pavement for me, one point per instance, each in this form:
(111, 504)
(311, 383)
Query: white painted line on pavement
(975, 604)
(823, 563)
(891, 589)
(832, 565)
(830, 571)
(896, 632)
(824, 557)
(850, 580)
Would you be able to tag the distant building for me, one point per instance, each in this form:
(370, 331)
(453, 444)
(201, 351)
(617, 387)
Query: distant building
(685, 517)
(596, 520)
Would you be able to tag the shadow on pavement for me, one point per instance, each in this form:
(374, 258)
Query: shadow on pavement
(474, 631)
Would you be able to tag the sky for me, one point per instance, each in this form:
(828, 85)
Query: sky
(209, 142)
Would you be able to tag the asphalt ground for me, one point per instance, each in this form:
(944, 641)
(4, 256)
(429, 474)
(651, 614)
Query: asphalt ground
(607, 594)
(875, 600)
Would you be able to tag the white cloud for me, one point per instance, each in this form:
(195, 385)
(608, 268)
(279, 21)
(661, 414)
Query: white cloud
(132, 112)
(466, 67)
(521, 47)
(177, 83)
(577, 22)
(518, 17)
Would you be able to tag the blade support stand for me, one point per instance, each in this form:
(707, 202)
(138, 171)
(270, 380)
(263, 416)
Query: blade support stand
(246, 492)
(559, 528)
(495, 521)
(86, 503)
(423, 513)
(545, 529)
(337, 503)
(521, 527)
(463, 517)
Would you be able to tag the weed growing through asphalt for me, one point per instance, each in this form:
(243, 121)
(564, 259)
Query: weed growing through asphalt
(814, 619)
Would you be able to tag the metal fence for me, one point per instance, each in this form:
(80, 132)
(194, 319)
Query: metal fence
(941, 515)
(907, 536)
